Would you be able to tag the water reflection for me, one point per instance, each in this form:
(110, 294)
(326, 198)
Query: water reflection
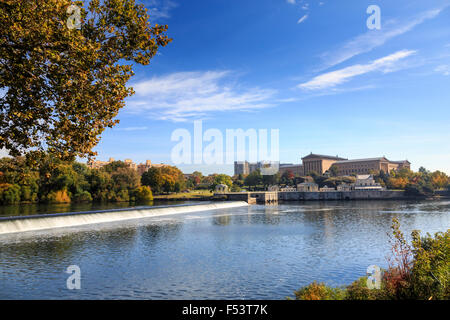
(255, 252)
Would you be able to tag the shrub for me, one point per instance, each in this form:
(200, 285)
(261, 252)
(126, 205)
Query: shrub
(397, 278)
(319, 291)
(9, 193)
(358, 290)
(60, 196)
(122, 196)
(143, 193)
(420, 271)
(235, 188)
(430, 272)
(83, 196)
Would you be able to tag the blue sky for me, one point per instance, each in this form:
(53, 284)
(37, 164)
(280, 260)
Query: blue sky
(311, 69)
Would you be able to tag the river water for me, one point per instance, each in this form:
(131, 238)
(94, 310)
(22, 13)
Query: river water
(255, 252)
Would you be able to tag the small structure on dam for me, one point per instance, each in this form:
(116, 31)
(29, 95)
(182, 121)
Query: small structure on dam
(254, 197)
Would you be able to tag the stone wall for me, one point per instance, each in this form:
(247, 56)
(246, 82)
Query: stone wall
(342, 195)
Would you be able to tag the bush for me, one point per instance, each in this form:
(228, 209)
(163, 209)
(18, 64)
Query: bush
(9, 193)
(319, 291)
(122, 196)
(143, 193)
(60, 196)
(83, 196)
(430, 274)
(420, 272)
(235, 188)
(358, 290)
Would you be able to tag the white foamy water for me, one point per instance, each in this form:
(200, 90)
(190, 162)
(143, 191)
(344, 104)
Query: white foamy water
(51, 221)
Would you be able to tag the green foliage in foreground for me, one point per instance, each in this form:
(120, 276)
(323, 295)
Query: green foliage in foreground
(420, 271)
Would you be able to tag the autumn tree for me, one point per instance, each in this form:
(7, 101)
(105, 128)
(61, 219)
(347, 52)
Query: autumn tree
(63, 79)
(166, 179)
(287, 177)
(253, 179)
(439, 180)
(221, 179)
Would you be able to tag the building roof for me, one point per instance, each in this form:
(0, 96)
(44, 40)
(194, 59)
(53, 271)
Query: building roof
(363, 176)
(362, 160)
(314, 155)
(289, 165)
(401, 161)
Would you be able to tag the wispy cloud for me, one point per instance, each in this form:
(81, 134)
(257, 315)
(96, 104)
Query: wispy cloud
(373, 39)
(160, 9)
(187, 95)
(290, 1)
(133, 128)
(443, 69)
(334, 78)
(302, 18)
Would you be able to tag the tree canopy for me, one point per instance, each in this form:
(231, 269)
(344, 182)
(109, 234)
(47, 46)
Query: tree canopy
(59, 181)
(60, 87)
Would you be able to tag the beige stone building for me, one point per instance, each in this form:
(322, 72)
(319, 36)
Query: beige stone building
(318, 163)
(308, 187)
(98, 164)
(369, 165)
(322, 163)
(140, 168)
(296, 169)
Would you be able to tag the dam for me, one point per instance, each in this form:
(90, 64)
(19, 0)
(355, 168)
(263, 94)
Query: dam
(70, 219)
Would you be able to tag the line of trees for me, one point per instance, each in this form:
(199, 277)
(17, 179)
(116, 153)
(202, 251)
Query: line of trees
(57, 181)
(423, 182)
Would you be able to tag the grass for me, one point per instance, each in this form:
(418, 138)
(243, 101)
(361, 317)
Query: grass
(194, 194)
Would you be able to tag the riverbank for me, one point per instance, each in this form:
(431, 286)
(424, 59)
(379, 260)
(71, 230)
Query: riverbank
(198, 195)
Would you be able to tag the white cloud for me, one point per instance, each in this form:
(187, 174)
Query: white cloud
(290, 1)
(160, 9)
(187, 95)
(372, 39)
(302, 18)
(133, 128)
(444, 69)
(334, 78)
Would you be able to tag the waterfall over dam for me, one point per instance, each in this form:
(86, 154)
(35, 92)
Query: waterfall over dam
(71, 219)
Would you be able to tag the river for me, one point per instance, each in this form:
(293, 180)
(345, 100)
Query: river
(254, 252)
